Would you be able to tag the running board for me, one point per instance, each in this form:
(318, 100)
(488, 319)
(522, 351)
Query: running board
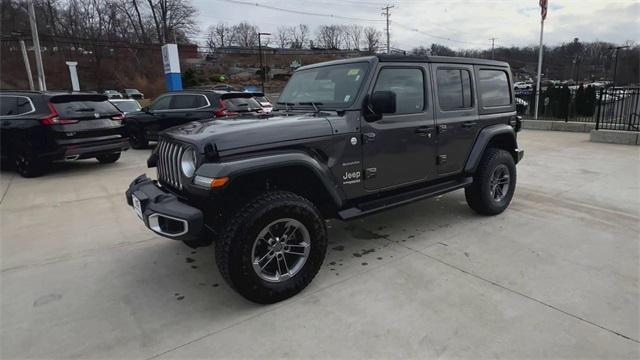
(389, 202)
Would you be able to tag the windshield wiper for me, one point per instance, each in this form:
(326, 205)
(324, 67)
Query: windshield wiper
(312, 103)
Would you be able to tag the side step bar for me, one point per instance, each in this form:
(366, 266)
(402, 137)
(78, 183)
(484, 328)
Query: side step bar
(392, 201)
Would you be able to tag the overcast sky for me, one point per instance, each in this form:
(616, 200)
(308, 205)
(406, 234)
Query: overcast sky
(455, 23)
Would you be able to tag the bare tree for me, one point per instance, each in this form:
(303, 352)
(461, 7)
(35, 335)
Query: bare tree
(283, 36)
(354, 33)
(330, 36)
(244, 35)
(372, 38)
(218, 36)
(173, 19)
(299, 36)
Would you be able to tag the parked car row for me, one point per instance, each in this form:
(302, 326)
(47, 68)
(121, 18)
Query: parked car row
(124, 94)
(38, 128)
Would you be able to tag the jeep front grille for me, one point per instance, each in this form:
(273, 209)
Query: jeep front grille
(169, 155)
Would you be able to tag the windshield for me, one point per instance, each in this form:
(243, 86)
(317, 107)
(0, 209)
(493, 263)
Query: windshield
(127, 106)
(334, 86)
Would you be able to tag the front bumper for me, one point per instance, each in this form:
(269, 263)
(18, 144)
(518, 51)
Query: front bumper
(164, 213)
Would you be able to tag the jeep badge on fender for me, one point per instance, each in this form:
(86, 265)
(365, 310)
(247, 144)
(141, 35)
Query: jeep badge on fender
(261, 188)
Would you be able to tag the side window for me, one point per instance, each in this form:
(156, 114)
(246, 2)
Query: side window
(493, 86)
(407, 84)
(184, 102)
(454, 89)
(161, 103)
(200, 101)
(15, 105)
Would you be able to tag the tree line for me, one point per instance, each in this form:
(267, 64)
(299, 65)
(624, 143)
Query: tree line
(333, 37)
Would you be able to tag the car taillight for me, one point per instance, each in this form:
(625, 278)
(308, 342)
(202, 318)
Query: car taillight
(221, 110)
(119, 117)
(54, 118)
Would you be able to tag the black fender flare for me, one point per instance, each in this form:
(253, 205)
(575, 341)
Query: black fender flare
(235, 168)
(482, 140)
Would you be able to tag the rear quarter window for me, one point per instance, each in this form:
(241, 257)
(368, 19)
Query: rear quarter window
(11, 105)
(494, 88)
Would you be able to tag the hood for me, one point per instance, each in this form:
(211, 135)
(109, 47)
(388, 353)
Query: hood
(236, 133)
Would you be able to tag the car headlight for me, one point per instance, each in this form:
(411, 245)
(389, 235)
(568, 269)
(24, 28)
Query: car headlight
(188, 162)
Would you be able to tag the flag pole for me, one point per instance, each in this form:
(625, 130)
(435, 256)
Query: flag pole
(535, 116)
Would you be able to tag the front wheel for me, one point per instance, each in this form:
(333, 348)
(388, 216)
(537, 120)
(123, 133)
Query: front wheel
(493, 183)
(272, 247)
(138, 140)
(108, 158)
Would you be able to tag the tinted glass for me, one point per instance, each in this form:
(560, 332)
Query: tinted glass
(407, 84)
(334, 86)
(185, 102)
(494, 88)
(84, 108)
(14, 105)
(127, 106)
(241, 104)
(161, 103)
(454, 89)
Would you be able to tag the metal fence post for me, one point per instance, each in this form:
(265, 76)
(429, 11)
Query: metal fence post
(599, 108)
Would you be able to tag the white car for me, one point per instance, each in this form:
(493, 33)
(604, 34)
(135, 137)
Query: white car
(126, 105)
(522, 86)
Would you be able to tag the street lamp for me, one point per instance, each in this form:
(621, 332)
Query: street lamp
(615, 66)
(262, 70)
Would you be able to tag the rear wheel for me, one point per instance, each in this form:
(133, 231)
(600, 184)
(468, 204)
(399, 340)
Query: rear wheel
(493, 183)
(272, 247)
(138, 140)
(108, 158)
(29, 166)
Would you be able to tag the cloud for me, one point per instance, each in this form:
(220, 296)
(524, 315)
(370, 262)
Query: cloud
(455, 23)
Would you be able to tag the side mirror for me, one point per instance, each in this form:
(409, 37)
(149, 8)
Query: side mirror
(145, 109)
(382, 102)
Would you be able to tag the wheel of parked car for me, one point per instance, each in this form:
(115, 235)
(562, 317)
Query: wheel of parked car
(493, 184)
(272, 247)
(138, 140)
(108, 158)
(29, 166)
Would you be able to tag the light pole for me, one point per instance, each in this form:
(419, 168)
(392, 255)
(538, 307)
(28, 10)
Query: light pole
(615, 64)
(262, 70)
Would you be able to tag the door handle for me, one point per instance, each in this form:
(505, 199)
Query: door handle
(468, 124)
(424, 131)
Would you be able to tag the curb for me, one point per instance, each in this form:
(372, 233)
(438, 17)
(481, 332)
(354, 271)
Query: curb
(551, 125)
(615, 137)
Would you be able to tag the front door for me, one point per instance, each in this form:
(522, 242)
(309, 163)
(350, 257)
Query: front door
(399, 149)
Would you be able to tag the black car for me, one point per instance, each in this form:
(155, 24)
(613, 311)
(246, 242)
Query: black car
(177, 108)
(351, 138)
(40, 127)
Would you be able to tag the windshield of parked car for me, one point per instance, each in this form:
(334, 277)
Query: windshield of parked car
(127, 106)
(333, 86)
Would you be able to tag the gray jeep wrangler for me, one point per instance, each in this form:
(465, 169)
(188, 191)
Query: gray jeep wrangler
(348, 138)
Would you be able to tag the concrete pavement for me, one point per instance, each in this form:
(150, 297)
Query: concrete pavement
(556, 275)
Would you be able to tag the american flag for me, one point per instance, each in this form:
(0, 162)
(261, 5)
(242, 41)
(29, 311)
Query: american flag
(543, 9)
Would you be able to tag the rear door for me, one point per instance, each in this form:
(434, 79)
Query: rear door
(456, 115)
(85, 118)
(399, 149)
(16, 117)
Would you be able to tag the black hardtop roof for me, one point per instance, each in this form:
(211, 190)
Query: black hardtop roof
(412, 59)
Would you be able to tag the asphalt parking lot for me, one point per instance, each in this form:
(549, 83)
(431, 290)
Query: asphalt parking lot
(556, 275)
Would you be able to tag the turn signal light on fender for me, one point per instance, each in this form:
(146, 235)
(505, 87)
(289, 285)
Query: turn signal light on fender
(218, 182)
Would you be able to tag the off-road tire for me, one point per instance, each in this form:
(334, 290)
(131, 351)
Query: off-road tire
(108, 158)
(234, 247)
(138, 140)
(478, 195)
(29, 166)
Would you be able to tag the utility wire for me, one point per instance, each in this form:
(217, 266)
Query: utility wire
(300, 12)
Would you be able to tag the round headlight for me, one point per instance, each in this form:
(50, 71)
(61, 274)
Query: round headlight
(188, 162)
